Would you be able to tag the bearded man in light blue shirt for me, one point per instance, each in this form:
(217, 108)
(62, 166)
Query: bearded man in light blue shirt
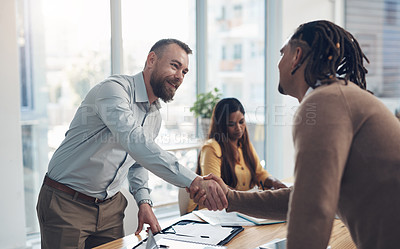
(111, 137)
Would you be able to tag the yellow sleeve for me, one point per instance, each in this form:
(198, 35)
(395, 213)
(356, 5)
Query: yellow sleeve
(261, 173)
(210, 159)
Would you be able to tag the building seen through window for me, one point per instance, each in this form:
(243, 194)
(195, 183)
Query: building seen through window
(235, 62)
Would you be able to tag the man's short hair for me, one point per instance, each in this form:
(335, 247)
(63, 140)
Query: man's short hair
(158, 47)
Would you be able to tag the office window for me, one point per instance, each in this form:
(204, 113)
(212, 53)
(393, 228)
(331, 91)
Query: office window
(252, 49)
(237, 11)
(24, 54)
(223, 13)
(391, 12)
(379, 37)
(64, 50)
(237, 51)
(239, 69)
(223, 52)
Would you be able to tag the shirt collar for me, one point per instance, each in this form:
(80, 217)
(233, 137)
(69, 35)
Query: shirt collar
(309, 90)
(140, 90)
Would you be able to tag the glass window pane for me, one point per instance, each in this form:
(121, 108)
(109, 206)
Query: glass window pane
(235, 58)
(65, 49)
(379, 37)
(142, 26)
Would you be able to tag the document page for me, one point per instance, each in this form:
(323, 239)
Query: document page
(259, 221)
(176, 244)
(199, 232)
(222, 218)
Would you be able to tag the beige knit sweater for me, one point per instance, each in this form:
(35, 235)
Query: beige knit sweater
(347, 161)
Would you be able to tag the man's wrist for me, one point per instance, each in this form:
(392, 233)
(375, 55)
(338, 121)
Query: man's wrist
(147, 201)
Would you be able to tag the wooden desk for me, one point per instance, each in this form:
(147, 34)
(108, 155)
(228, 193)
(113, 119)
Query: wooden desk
(250, 237)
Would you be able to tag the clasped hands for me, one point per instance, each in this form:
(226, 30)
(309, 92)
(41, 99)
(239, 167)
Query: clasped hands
(209, 191)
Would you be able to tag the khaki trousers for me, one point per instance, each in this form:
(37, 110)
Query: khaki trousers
(66, 222)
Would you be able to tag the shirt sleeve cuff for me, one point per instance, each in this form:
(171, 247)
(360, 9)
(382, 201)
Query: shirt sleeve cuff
(142, 194)
(188, 176)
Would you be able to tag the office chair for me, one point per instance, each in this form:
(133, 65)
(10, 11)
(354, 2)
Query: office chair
(183, 200)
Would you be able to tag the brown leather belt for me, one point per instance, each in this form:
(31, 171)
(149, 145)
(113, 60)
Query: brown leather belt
(70, 191)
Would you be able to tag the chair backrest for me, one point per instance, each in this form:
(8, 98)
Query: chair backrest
(130, 220)
(183, 199)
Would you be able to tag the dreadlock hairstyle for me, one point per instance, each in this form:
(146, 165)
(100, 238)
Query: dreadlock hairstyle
(332, 52)
(219, 132)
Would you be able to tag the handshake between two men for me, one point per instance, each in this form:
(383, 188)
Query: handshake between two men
(209, 191)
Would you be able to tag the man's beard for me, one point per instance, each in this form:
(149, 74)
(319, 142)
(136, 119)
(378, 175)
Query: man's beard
(161, 88)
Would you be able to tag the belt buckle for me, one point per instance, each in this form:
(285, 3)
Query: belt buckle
(97, 200)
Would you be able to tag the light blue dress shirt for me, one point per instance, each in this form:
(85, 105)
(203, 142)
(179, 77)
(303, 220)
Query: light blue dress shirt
(112, 136)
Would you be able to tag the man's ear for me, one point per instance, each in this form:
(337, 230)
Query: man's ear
(298, 55)
(151, 59)
(297, 59)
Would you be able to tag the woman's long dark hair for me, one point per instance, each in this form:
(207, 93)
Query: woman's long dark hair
(219, 131)
(331, 52)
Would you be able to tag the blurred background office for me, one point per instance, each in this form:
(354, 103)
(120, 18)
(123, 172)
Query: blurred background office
(54, 51)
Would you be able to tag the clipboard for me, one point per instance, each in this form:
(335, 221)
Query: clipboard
(235, 230)
(169, 233)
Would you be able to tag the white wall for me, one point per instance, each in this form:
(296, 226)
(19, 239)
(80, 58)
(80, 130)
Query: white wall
(12, 215)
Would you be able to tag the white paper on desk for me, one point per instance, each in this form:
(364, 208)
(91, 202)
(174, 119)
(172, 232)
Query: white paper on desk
(222, 218)
(176, 244)
(200, 233)
(168, 240)
(259, 221)
(274, 244)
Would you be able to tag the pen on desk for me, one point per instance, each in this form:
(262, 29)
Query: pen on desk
(163, 246)
(262, 185)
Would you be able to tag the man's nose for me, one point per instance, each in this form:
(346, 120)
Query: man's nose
(179, 75)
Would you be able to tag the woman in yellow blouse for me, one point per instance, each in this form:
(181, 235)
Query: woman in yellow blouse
(229, 154)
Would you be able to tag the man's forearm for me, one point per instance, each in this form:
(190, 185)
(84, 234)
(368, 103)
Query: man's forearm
(270, 204)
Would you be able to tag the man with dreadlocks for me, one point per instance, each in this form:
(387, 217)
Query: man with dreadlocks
(347, 159)
(346, 142)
